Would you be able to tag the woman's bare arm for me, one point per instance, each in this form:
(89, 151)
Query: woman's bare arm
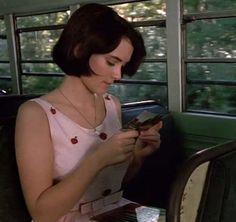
(34, 153)
(47, 202)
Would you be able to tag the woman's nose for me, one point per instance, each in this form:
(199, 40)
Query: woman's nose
(117, 74)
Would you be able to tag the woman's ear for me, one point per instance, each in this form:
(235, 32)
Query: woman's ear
(76, 51)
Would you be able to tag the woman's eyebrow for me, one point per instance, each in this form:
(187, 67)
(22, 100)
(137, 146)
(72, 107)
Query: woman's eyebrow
(115, 57)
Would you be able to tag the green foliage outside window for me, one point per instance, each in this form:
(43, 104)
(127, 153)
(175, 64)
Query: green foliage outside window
(5, 83)
(213, 98)
(3, 50)
(57, 18)
(6, 86)
(38, 45)
(39, 84)
(194, 6)
(212, 39)
(206, 39)
(2, 27)
(142, 11)
(5, 70)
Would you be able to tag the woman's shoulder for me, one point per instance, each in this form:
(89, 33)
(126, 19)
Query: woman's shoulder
(30, 109)
(29, 105)
(36, 104)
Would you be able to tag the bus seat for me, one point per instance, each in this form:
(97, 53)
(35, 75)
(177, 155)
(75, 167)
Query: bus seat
(205, 187)
(12, 205)
(152, 184)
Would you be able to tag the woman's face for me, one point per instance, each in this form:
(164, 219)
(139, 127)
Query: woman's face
(107, 67)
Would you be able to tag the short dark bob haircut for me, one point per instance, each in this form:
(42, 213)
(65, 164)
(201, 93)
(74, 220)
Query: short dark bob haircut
(95, 29)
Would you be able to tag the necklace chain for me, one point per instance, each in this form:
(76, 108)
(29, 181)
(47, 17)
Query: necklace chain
(102, 135)
(78, 111)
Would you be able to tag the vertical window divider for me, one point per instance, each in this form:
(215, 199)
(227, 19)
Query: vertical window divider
(11, 41)
(174, 55)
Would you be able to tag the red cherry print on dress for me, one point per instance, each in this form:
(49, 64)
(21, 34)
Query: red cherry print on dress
(53, 111)
(74, 140)
(103, 136)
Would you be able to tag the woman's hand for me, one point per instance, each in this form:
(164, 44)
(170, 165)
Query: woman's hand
(118, 148)
(147, 142)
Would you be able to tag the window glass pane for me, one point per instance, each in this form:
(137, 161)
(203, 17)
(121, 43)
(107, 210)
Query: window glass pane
(133, 93)
(195, 6)
(38, 45)
(43, 20)
(40, 68)
(2, 27)
(6, 86)
(3, 50)
(4, 69)
(150, 71)
(39, 84)
(219, 99)
(140, 11)
(212, 71)
(218, 42)
(155, 41)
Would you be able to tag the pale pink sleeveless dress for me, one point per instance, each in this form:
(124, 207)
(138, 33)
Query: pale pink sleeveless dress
(71, 144)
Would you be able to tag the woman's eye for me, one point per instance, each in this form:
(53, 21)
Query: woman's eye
(110, 63)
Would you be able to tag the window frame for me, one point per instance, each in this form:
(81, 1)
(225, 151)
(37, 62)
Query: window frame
(188, 18)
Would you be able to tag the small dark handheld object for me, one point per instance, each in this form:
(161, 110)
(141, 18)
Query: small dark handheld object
(143, 121)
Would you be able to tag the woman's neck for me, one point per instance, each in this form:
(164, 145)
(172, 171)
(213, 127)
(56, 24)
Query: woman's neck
(74, 88)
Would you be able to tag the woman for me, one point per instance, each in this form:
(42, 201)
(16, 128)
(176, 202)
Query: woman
(71, 153)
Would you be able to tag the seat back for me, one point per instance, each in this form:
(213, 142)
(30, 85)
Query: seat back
(152, 184)
(219, 194)
(12, 204)
(205, 187)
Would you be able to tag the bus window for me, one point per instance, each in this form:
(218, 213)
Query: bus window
(37, 35)
(5, 77)
(151, 79)
(210, 56)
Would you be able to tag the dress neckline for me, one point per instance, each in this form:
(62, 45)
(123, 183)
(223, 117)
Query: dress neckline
(99, 127)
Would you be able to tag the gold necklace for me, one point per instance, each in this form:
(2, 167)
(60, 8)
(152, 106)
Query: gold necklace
(101, 135)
